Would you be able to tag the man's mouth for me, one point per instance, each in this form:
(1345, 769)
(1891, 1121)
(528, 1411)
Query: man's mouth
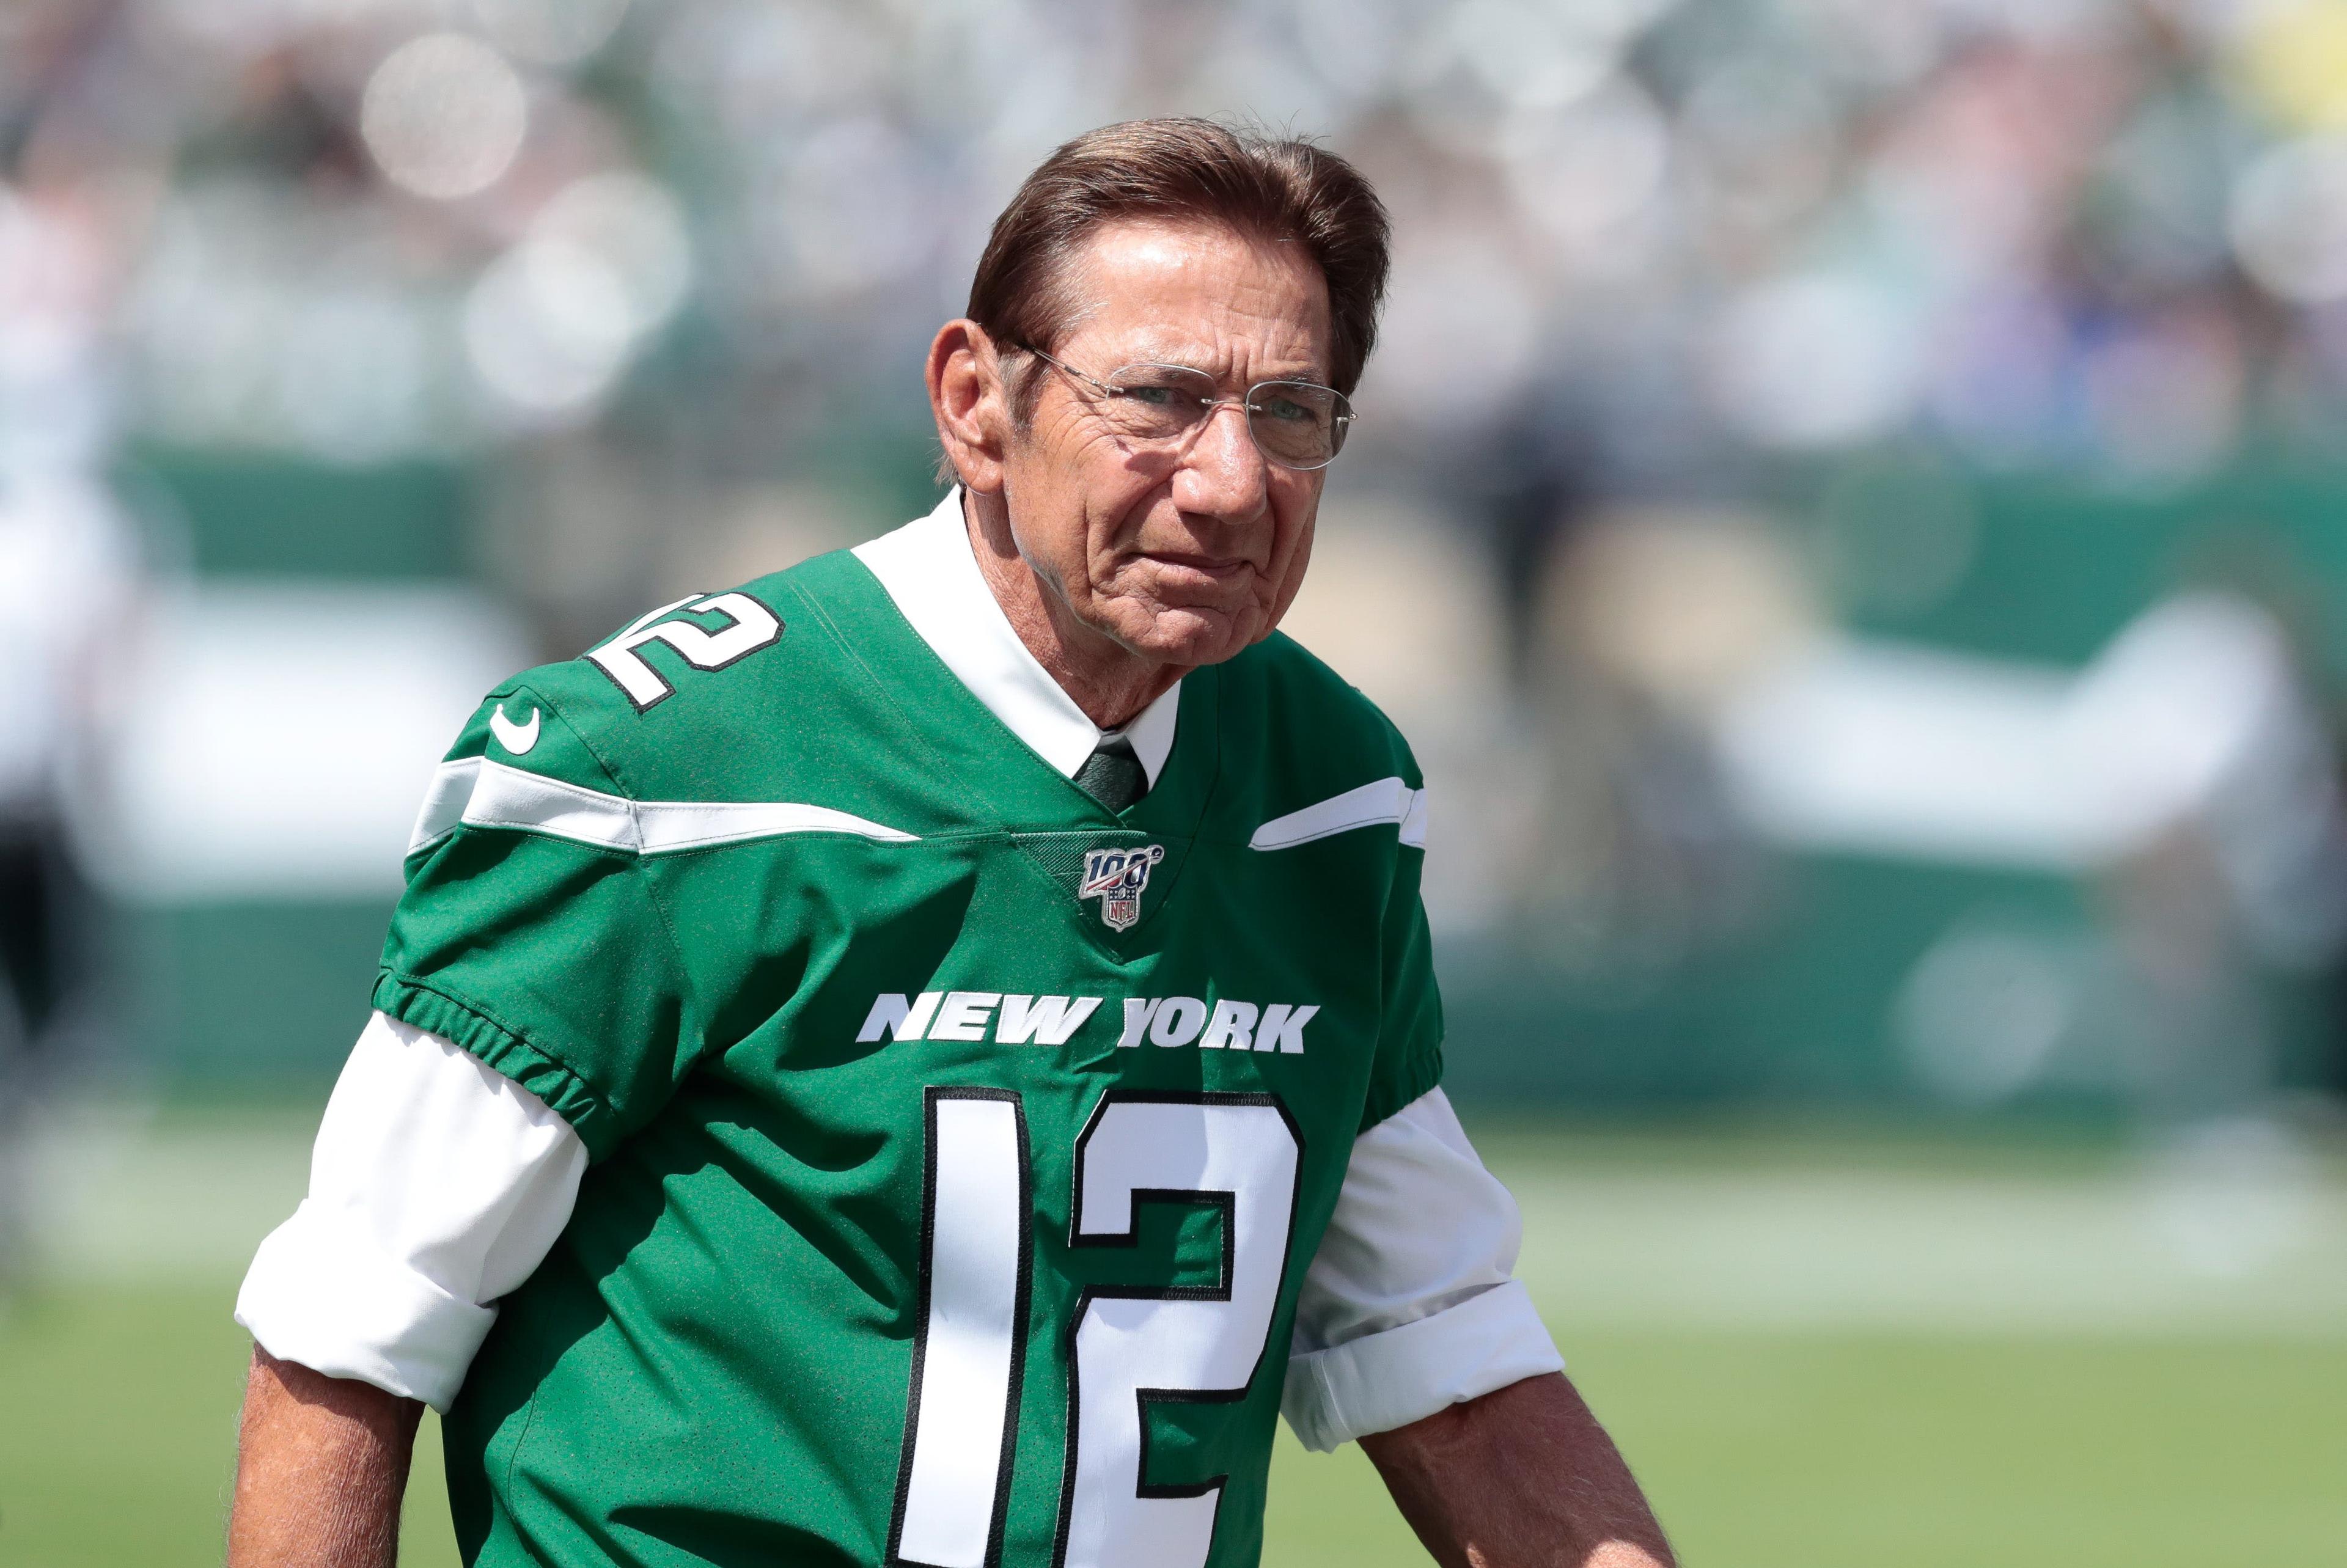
(1216, 567)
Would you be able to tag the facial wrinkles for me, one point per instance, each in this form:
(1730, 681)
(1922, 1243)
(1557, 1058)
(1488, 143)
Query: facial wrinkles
(1248, 342)
(1247, 338)
(1158, 524)
(1242, 314)
(1243, 293)
(1135, 543)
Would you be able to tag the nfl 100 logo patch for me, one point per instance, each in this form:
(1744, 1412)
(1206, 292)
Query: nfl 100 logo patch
(1115, 878)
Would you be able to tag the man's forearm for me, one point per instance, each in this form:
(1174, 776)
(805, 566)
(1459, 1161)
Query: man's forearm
(322, 1466)
(1523, 1478)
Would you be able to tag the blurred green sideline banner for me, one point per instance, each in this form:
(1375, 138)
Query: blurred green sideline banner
(1836, 997)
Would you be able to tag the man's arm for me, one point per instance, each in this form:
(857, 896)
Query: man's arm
(1414, 1337)
(437, 1187)
(321, 1468)
(1522, 1478)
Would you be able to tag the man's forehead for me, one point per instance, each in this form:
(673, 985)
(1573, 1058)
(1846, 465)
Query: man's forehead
(1199, 294)
(1285, 352)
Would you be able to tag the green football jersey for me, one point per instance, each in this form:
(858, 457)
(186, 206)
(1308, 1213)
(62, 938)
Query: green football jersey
(958, 1147)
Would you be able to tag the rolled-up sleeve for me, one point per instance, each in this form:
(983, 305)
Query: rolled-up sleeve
(1412, 1304)
(438, 1186)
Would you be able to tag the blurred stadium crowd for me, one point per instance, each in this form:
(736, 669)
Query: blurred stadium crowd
(1743, 358)
(2083, 230)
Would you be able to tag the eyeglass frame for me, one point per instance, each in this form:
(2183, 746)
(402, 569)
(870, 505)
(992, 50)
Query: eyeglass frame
(1244, 402)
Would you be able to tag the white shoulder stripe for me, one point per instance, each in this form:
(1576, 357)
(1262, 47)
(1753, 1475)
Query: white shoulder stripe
(444, 802)
(506, 796)
(484, 794)
(670, 826)
(1387, 800)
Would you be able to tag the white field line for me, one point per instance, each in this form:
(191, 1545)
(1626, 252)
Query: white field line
(1937, 1253)
(120, 1198)
(115, 1197)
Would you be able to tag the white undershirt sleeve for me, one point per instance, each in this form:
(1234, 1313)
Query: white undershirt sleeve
(436, 1186)
(1412, 1305)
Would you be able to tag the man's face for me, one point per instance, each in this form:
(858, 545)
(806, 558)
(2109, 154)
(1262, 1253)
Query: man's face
(1190, 553)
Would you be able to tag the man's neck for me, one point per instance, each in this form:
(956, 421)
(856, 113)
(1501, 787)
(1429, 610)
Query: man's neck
(1107, 680)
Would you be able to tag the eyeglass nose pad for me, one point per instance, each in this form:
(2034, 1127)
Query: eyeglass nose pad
(1246, 421)
(1198, 454)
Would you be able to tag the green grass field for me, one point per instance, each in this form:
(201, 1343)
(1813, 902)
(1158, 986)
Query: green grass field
(2193, 1422)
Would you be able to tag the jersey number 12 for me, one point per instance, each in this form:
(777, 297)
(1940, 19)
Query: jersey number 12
(1128, 1347)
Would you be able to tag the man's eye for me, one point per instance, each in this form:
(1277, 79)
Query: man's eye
(1151, 397)
(1285, 408)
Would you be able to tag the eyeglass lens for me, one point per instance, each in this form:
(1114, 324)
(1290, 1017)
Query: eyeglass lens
(1297, 423)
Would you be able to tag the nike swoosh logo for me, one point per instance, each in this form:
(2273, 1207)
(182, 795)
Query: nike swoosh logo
(515, 738)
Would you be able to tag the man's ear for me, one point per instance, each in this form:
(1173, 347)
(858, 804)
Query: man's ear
(970, 403)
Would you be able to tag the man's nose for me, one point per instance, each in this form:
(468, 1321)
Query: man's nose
(1223, 473)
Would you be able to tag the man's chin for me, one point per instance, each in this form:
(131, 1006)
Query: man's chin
(1186, 635)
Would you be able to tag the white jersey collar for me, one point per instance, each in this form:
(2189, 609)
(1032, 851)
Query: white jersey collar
(928, 569)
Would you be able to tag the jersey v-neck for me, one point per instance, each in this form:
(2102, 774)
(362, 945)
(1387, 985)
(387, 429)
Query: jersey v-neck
(1010, 786)
(929, 570)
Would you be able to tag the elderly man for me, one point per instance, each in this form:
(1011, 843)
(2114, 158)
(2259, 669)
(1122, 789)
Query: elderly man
(921, 1059)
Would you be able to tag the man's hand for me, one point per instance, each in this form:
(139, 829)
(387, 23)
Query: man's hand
(321, 1468)
(1523, 1478)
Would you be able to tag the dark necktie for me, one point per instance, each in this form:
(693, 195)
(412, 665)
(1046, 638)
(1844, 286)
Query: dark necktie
(1113, 776)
